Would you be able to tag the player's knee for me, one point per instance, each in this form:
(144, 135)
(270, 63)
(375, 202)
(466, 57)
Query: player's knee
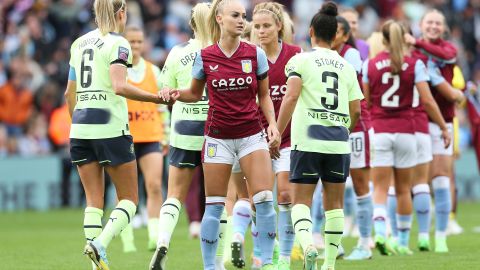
(263, 196)
(284, 197)
(154, 188)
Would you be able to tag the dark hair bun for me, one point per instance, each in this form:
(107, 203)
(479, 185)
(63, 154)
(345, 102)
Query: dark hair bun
(329, 8)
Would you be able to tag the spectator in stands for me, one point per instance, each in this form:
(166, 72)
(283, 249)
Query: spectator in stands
(47, 99)
(35, 141)
(15, 99)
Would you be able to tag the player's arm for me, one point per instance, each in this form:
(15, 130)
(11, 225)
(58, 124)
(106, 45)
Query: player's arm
(355, 112)
(442, 86)
(71, 91)
(193, 94)
(449, 93)
(445, 50)
(120, 57)
(294, 89)
(431, 107)
(426, 99)
(266, 104)
(118, 73)
(365, 86)
(354, 96)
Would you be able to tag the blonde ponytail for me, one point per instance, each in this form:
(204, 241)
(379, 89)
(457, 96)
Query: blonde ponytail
(288, 28)
(393, 35)
(199, 23)
(105, 14)
(215, 30)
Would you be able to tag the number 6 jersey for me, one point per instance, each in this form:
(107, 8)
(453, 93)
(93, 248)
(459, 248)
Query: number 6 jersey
(99, 113)
(321, 118)
(391, 95)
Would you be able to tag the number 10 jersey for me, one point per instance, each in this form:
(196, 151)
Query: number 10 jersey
(99, 113)
(321, 118)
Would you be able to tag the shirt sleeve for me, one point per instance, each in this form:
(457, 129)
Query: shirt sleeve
(293, 67)
(436, 77)
(197, 71)
(421, 74)
(354, 92)
(365, 72)
(353, 57)
(71, 74)
(168, 78)
(121, 53)
(262, 62)
(158, 76)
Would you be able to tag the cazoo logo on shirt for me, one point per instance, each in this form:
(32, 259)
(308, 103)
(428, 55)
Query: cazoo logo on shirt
(232, 83)
(277, 92)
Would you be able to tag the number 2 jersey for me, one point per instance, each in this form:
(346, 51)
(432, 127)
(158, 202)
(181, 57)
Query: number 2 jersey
(278, 84)
(321, 118)
(99, 113)
(391, 95)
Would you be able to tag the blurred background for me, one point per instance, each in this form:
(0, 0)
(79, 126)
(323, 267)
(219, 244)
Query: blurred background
(35, 37)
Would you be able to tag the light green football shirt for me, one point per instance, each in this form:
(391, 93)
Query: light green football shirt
(188, 119)
(321, 118)
(99, 113)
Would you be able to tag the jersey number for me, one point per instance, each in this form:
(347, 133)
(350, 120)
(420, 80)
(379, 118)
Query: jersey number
(86, 69)
(389, 99)
(333, 91)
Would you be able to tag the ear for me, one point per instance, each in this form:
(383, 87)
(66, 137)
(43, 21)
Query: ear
(311, 32)
(280, 26)
(218, 17)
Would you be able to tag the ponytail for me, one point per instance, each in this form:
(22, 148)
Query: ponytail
(288, 28)
(324, 23)
(214, 27)
(105, 14)
(393, 34)
(199, 23)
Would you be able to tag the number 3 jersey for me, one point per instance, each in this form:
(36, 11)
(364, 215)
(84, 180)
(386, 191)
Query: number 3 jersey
(321, 118)
(99, 113)
(391, 95)
(278, 84)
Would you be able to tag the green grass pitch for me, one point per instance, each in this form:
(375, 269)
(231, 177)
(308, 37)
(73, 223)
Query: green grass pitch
(54, 240)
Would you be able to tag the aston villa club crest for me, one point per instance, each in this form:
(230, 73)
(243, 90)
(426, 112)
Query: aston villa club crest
(211, 150)
(247, 66)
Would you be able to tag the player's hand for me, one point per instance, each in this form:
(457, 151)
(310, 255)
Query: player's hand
(409, 39)
(447, 138)
(274, 138)
(274, 153)
(165, 94)
(460, 96)
(174, 94)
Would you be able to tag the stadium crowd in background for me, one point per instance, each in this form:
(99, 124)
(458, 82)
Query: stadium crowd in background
(35, 36)
(35, 40)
